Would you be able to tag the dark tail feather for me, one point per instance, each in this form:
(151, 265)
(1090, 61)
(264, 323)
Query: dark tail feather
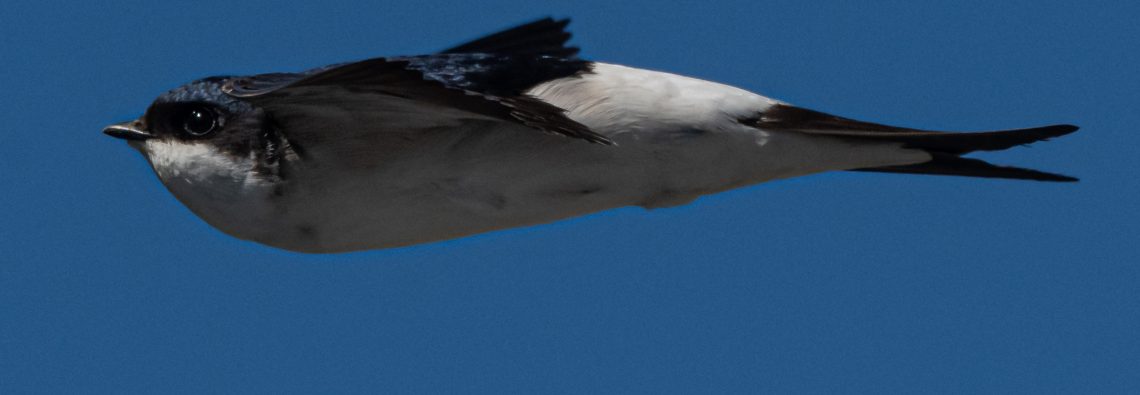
(946, 147)
(952, 165)
(962, 143)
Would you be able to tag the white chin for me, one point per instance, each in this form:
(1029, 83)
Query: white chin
(197, 162)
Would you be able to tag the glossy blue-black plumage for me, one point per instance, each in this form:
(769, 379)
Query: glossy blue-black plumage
(206, 90)
(494, 74)
(486, 77)
(502, 64)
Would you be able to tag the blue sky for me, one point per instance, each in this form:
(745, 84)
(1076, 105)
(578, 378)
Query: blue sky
(843, 282)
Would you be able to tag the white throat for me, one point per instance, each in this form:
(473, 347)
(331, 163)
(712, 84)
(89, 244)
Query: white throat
(221, 188)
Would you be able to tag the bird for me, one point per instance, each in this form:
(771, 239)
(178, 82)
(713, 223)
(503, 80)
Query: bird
(509, 130)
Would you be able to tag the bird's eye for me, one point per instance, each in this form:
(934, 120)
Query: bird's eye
(199, 121)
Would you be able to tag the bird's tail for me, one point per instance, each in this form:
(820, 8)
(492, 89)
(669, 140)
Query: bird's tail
(945, 148)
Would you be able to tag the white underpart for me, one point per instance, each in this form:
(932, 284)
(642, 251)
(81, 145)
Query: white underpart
(211, 183)
(655, 110)
(193, 162)
(621, 100)
(677, 138)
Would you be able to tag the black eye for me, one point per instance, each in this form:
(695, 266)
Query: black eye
(199, 121)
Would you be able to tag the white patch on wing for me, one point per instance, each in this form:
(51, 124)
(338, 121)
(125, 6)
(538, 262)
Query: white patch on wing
(614, 100)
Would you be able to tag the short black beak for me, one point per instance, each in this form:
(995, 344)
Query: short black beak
(130, 130)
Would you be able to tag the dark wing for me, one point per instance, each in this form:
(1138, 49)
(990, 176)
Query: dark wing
(544, 37)
(401, 93)
(946, 148)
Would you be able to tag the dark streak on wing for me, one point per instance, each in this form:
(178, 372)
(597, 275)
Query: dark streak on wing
(398, 78)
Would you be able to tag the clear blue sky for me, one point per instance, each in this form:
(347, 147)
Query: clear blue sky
(839, 282)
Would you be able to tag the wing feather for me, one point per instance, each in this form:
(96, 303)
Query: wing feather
(383, 80)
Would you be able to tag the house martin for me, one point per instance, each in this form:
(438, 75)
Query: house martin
(509, 130)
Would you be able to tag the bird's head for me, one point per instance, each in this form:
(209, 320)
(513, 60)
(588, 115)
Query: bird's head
(197, 134)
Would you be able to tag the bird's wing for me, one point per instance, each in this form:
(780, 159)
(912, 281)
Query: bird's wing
(401, 93)
(355, 109)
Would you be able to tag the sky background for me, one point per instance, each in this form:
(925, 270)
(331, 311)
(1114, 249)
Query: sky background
(840, 282)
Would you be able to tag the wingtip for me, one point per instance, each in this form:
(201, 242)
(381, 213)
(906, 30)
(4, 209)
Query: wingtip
(543, 36)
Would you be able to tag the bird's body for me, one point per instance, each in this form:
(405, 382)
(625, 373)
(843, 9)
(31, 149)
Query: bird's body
(458, 147)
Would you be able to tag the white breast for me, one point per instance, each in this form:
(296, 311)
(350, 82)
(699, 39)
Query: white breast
(222, 189)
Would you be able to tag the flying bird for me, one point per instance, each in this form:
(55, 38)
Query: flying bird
(509, 130)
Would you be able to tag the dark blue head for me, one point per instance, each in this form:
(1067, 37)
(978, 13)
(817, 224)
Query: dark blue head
(199, 117)
(198, 110)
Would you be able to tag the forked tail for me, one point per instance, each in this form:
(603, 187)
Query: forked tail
(946, 148)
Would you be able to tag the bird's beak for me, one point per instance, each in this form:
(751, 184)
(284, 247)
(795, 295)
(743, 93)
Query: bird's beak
(130, 130)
